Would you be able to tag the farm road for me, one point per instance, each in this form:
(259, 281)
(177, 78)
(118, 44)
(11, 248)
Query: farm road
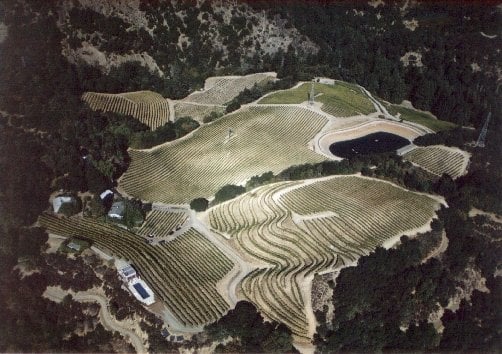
(378, 106)
(244, 267)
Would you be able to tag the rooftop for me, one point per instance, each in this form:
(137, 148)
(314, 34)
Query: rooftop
(59, 201)
(117, 210)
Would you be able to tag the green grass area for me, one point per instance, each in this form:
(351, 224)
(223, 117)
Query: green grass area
(422, 118)
(341, 99)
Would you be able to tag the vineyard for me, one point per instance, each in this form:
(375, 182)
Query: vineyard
(161, 224)
(148, 107)
(340, 100)
(183, 273)
(263, 139)
(223, 89)
(296, 229)
(439, 159)
(196, 111)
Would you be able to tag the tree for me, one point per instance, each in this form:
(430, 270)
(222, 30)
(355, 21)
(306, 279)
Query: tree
(233, 106)
(199, 204)
(133, 215)
(228, 192)
(94, 208)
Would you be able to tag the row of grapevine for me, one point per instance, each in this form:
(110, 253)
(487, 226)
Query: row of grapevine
(224, 89)
(196, 111)
(263, 139)
(439, 159)
(276, 225)
(160, 223)
(183, 273)
(148, 107)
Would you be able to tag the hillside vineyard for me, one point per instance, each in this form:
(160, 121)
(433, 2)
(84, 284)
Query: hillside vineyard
(263, 139)
(439, 159)
(296, 229)
(148, 107)
(183, 273)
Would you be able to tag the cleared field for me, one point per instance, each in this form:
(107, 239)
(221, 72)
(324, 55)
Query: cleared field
(183, 273)
(160, 223)
(422, 118)
(296, 229)
(146, 106)
(195, 111)
(221, 90)
(439, 159)
(263, 139)
(340, 100)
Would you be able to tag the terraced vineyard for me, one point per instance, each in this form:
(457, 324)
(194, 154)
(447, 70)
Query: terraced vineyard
(146, 106)
(295, 229)
(263, 139)
(223, 89)
(439, 159)
(196, 111)
(183, 273)
(160, 223)
(340, 100)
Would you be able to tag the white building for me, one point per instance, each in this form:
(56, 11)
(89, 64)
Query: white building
(105, 194)
(127, 273)
(136, 286)
(58, 202)
(117, 210)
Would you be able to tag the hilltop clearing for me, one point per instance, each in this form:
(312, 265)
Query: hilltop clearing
(339, 100)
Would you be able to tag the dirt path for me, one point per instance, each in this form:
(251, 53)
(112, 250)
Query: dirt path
(443, 245)
(172, 116)
(243, 267)
(378, 106)
(493, 217)
(56, 294)
(202, 104)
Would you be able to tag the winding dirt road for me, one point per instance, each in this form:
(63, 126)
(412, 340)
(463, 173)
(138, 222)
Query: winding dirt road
(56, 294)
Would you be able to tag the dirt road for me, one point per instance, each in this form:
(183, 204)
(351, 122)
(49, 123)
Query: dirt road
(56, 294)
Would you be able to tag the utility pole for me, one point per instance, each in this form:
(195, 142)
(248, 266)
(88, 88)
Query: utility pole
(482, 135)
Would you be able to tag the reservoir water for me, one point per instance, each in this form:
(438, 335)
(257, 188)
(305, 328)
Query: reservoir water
(372, 143)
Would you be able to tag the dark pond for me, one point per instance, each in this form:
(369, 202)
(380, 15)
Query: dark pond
(368, 144)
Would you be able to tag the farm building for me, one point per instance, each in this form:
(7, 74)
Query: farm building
(325, 80)
(74, 246)
(136, 286)
(105, 194)
(127, 273)
(117, 210)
